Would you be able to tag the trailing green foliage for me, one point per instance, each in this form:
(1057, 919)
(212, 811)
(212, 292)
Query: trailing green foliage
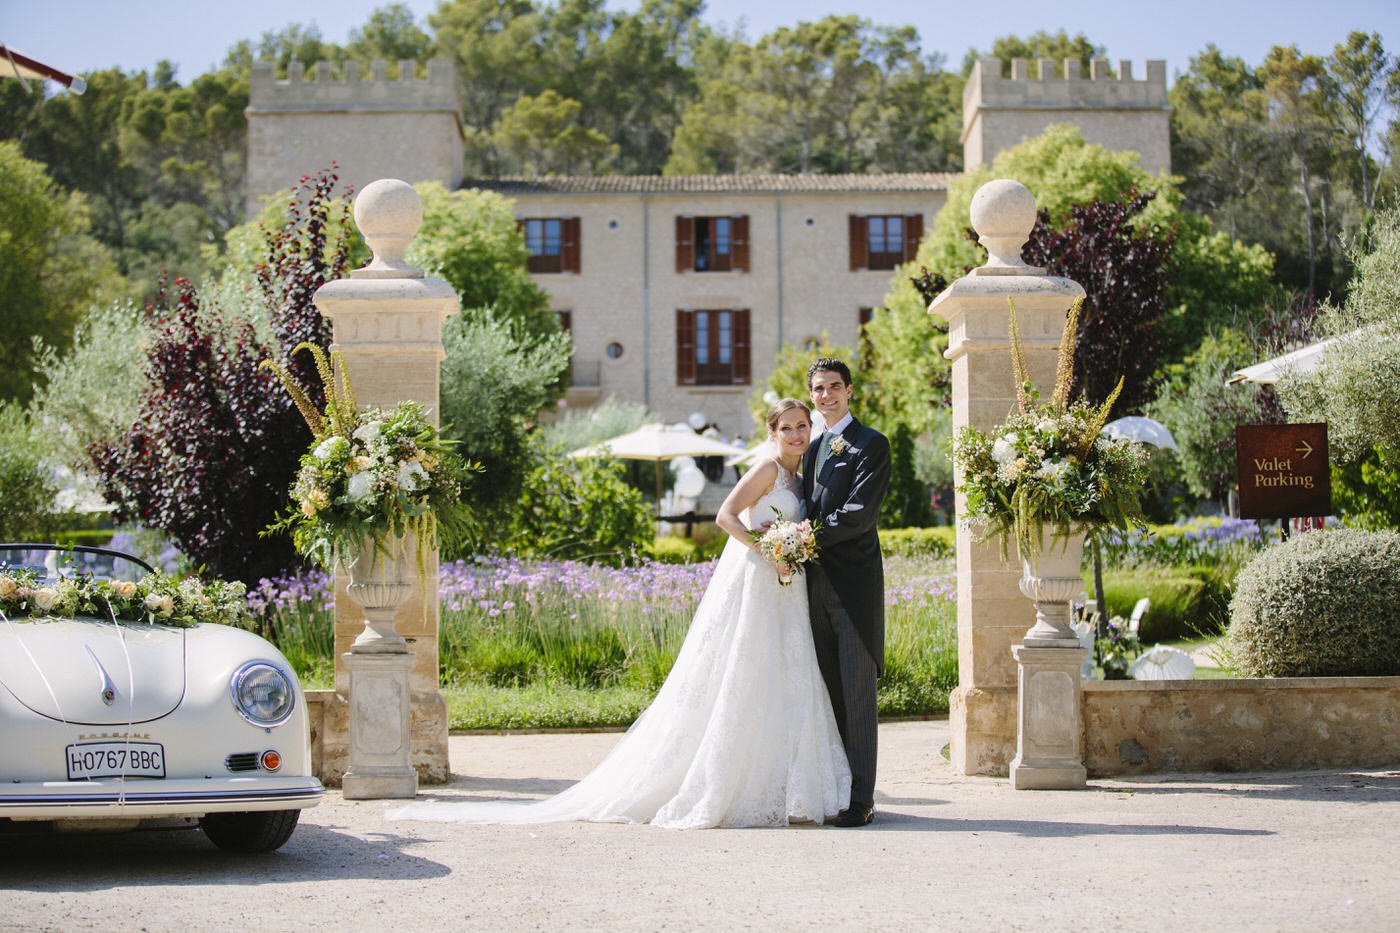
(1323, 604)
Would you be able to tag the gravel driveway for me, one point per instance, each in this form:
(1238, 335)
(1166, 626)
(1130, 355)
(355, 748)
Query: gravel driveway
(1300, 851)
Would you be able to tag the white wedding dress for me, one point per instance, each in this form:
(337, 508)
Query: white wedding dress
(740, 734)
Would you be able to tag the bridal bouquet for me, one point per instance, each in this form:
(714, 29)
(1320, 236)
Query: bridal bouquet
(370, 476)
(788, 544)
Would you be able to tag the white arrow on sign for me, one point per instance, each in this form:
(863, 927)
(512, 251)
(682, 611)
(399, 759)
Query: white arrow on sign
(1305, 447)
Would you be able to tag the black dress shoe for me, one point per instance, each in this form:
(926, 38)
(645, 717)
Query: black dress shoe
(857, 814)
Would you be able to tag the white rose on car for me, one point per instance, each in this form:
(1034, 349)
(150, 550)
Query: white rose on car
(160, 604)
(7, 587)
(45, 597)
(125, 589)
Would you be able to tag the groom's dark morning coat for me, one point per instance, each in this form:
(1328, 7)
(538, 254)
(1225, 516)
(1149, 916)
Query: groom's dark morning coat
(846, 499)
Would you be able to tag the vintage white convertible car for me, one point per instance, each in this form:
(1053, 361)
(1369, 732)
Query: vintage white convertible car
(108, 724)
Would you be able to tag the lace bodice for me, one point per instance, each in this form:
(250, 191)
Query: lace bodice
(785, 496)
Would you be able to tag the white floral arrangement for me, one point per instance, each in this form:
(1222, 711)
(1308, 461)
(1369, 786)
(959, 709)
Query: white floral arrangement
(1049, 463)
(788, 544)
(369, 474)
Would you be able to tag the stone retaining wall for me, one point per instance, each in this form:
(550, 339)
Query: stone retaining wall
(1283, 724)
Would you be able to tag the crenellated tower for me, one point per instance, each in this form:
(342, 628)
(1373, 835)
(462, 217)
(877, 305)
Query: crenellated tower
(1114, 110)
(402, 127)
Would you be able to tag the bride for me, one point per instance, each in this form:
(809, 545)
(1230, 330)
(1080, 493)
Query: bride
(742, 732)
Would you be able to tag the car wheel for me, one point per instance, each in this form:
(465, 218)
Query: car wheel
(263, 831)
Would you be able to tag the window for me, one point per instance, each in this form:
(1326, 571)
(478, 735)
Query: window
(883, 241)
(712, 347)
(712, 244)
(553, 243)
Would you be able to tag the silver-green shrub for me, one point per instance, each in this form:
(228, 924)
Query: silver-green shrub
(1323, 604)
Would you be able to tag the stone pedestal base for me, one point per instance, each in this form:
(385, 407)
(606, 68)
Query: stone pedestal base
(1048, 719)
(983, 721)
(379, 727)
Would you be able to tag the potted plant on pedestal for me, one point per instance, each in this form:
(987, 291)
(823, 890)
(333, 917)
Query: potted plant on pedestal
(1045, 478)
(376, 492)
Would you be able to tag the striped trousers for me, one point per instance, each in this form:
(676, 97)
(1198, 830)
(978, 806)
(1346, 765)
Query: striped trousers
(849, 672)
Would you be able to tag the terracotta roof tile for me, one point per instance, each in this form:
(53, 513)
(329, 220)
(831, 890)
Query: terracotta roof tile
(712, 184)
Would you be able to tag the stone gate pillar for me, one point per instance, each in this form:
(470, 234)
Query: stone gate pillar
(387, 320)
(992, 613)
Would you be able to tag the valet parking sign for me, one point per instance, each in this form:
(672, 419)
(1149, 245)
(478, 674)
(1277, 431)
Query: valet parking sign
(1283, 470)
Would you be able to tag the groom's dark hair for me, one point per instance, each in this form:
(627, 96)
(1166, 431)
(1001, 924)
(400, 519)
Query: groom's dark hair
(830, 365)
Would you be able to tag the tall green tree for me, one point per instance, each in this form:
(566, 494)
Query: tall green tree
(1295, 89)
(391, 34)
(50, 268)
(1360, 74)
(1040, 44)
(838, 95)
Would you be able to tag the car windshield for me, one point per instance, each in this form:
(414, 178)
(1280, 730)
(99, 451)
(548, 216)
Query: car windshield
(50, 562)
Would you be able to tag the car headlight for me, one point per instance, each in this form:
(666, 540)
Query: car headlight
(262, 694)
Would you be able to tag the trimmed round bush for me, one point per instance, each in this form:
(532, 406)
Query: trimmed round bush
(1323, 604)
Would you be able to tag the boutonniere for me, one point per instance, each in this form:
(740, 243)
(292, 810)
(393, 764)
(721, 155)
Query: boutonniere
(838, 445)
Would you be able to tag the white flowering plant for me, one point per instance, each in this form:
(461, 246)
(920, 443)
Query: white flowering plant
(370, 475)
(1048, 463)
(788, 544)
(155, 598)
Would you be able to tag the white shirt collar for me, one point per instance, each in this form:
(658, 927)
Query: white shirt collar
(841, 425)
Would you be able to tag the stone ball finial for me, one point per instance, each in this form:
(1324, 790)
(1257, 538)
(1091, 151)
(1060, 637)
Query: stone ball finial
(1003, 213)
(388, 213)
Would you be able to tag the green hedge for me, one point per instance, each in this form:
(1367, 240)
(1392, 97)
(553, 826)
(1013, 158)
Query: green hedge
(931, 543)
(98, 537)
(1323, 604)
(1186, 602)
(934, 543)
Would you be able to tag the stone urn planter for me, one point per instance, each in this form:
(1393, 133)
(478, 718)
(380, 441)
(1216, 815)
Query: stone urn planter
(381, 578)
(1050, 578)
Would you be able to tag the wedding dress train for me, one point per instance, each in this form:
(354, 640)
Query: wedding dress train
(740, 734)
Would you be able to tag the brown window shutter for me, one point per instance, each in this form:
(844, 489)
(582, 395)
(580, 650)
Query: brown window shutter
(685, 244)
(739, 242)
(570, 250)
(741, 346)
(913, 233)
(685, 348)
(860, 257)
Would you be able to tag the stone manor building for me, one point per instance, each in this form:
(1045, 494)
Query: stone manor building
(679, 291)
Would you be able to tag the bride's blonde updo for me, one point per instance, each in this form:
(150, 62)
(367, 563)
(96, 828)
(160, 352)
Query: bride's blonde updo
(775, 414)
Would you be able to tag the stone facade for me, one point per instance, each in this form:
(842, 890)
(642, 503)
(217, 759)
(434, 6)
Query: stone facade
(1116, 111)
(1279, 724)
(799, 283)
(380, 128)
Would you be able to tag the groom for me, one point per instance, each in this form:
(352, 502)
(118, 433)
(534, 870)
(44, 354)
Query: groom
(844, 475)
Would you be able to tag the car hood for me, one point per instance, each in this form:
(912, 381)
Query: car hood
(65, 668)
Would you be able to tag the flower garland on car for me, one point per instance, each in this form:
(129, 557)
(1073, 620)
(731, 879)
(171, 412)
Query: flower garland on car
(154, 599)
(1048, 463)
(377, 475)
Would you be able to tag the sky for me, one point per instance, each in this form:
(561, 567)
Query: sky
(87, 35)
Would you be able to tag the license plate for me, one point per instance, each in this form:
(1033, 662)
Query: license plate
(116, 759)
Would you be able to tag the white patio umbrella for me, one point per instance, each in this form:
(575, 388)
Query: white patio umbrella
(1164, 663)
(658, 443)
(15, 65)
(1302, 360)
(1138, 428)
